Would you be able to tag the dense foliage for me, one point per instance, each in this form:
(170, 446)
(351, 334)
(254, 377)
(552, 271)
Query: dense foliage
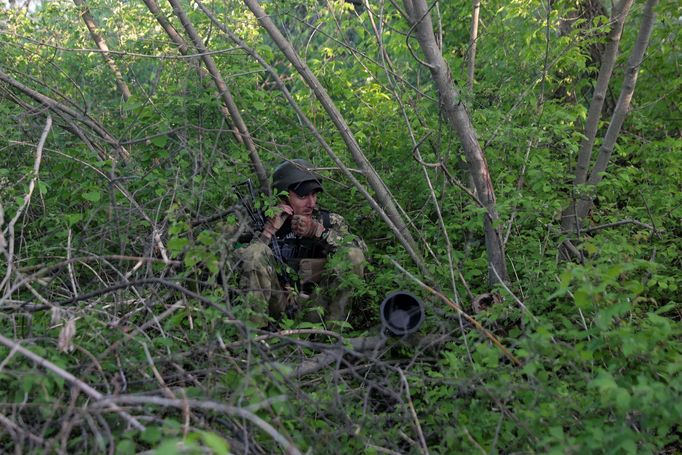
(118, 271)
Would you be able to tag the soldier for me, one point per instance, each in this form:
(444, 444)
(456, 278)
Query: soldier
(285, 263)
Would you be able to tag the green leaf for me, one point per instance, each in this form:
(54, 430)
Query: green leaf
(213, 265)
(170, 447)
(92, 196)
(219, 445)
(125, 447)
(151, 435)
(583, 299)
(629, 446)
(160, 141)
(176, 245)
(604, 382)
(73, 218)
(206, 238)
(557, 432)
(622, 399)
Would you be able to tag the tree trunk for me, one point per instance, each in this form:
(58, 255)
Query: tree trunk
(618, 16)
(226, 95)
(573, 216)
(309, 124)
(459, 120)
(473, 39)
(183, 48)
(372, 177)
(102, 45)
(623, 103)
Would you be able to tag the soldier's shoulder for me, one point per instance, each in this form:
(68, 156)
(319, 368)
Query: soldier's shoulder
(328, 217)
(335, 218)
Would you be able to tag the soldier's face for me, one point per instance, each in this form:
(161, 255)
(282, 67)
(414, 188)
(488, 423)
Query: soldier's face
(302, 205)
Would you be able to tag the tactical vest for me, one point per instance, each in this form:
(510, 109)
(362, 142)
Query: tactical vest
(294, 248)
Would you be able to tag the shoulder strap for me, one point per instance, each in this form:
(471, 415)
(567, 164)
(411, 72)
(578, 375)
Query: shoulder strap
(326, 219)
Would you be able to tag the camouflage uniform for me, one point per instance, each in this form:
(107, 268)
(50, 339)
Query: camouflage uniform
(266, 293)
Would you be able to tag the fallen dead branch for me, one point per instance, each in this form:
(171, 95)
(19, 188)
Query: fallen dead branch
(363, 347)
(207, 406)
(461, 312)
(71, 379)
(601, 227)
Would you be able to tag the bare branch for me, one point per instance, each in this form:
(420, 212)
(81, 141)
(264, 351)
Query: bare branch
(342, 126)
(460, 122)
(226, 95)
(183, 48)
(16, 428)
(67, 112)
(473, 40)
(422, 441)
(8, 241)
(208, 406)
(616, 224)
(102, 45)
(71, 379)
(459, 310)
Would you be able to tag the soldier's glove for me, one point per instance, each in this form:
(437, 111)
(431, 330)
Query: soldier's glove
(305, 226)
(275, 223)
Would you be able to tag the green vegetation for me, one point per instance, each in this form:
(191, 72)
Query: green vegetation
(117, 270)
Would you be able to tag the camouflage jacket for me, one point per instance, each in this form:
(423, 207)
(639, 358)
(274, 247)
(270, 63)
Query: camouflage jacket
(335, 235)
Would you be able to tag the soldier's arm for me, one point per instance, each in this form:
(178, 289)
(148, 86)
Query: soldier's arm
(338, 235)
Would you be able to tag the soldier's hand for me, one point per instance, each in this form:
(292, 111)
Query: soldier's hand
(305, 226)
(275, 223)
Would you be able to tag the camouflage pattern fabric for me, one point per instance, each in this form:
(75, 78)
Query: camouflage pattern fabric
(338, 235)
(258, 278)
(266, 295)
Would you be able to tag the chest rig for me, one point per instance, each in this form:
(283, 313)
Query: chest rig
(295, 248)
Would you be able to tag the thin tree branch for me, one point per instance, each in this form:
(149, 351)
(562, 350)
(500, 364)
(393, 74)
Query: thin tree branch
(25, 433)
(102, 45)
(62, 110)
(473, 40)
(183, 48)
(207, 406)
(422, 441)
(226, 95)
(615, 224)
(342, 126)
(8, 241)
(71, 379)
(91, 50)
(459, 310)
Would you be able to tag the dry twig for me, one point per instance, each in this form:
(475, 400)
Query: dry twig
(71, 379)
(208, 406)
